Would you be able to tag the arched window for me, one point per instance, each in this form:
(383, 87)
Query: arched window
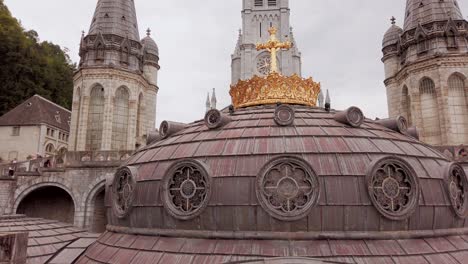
(50, 148)
(95, 119)
(124, 56)
(406, 105)
(139, 116)
(423, 44)
(451, 39)
(430, 112)
(100, 52)
(458, 112)
(120, 120)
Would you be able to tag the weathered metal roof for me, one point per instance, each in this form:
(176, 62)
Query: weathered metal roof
(223, 194)
(122, 248)
(49, 241)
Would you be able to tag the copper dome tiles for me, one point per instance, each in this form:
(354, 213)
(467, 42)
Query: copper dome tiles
(242, 191)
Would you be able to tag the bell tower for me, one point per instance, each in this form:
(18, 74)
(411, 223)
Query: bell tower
(426, 70)
(115, 87)
(258, 16)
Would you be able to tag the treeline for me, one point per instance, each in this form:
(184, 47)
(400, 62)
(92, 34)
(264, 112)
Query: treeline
(28, 66)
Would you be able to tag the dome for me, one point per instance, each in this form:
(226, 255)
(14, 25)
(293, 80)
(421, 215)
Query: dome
(150, 46)
(392, 35)
(286, 181)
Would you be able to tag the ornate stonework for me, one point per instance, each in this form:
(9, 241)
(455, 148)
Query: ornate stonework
(393, 187)
(426, 70)
(186, 189)
(123, 191)
(457, 187)
(284, 115)
(287, 188)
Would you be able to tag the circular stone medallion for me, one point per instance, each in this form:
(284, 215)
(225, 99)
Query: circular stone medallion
(213, 119)
(284, 115)
(393, 187)
(186, 189)
(355, 116)
(457, 185)
(287, 188)
(123, 188)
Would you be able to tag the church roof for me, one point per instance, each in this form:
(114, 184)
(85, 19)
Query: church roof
(115, 17)
(49, 241)
(241, 173)
(35, 111)
(424, 11)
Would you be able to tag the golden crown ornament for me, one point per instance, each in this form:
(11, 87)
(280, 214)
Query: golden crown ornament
(275, 88)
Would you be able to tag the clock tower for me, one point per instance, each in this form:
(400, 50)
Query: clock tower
(258, 16)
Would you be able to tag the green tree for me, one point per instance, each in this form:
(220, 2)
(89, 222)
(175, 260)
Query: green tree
(28, 66)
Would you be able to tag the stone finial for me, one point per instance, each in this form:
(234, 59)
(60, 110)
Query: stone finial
(393, 19)
(214, 100)
(320, 99)
(327, 102)
(148, 32)
(208, 104)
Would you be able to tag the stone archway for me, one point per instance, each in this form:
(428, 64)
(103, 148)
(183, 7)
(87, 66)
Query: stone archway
(65, 190)
(48, 202)
(95, 211)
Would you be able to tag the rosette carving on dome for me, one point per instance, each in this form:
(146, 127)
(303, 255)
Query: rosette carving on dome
(393, 188)
(186, 189)
(457, 186)
(123, 188)
(273, 89)
(287, 188)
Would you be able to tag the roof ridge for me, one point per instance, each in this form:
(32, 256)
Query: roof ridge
(50, 102)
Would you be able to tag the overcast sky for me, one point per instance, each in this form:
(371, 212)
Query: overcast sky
(340, 41)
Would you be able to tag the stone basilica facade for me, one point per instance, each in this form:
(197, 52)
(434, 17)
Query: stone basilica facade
(257, 17)
(426, 71)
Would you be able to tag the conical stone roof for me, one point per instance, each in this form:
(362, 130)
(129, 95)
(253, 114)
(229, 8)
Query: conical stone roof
(115, 17)
(392, 35)
(423, 11)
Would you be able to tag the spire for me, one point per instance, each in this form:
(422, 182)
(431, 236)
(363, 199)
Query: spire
(424, 11)
(320, 99)
(213, 99)
(237, 50)
(327, 102)
(208, 104)
(116, 17)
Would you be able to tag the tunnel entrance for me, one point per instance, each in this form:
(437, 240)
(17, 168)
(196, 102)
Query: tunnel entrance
(99, 213)
(48, 202)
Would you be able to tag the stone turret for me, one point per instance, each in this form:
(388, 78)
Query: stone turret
(426, 67)
(115, 87)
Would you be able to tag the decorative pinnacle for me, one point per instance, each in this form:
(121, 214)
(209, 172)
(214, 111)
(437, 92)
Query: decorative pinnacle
(272, 31)
(393, 19)
(148, 32)
(82, 33)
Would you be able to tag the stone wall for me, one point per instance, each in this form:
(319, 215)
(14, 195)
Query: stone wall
(83, 181)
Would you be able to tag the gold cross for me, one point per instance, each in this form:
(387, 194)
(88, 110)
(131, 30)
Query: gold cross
(273, 46)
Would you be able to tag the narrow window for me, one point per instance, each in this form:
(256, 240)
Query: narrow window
(258, 3)
(15, 131)
(271, 2)
(260, 29)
